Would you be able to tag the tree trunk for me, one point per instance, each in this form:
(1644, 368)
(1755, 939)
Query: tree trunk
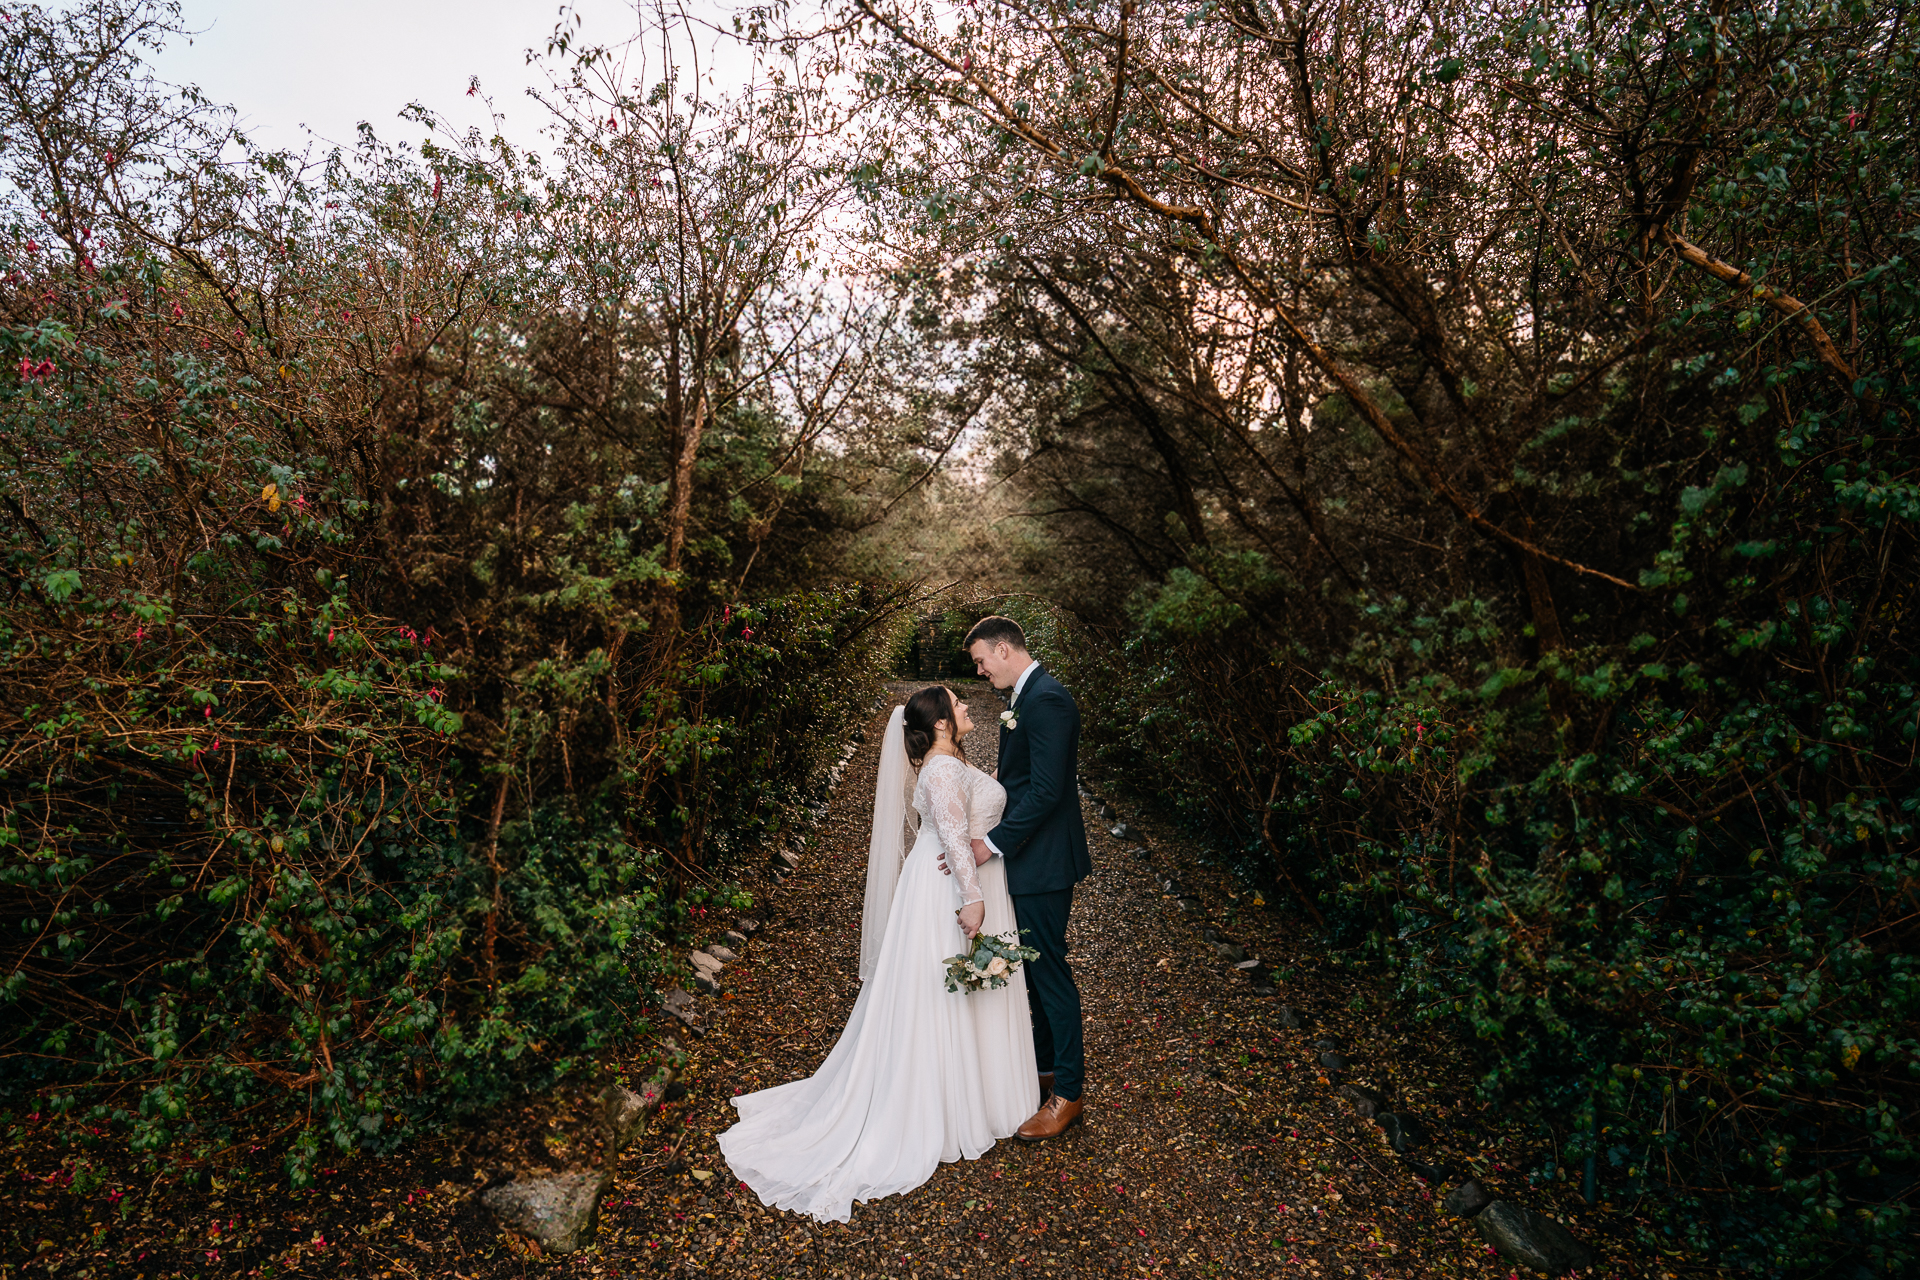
(685, 427)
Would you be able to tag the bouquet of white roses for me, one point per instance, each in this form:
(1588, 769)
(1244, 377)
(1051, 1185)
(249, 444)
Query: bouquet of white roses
(988, 965)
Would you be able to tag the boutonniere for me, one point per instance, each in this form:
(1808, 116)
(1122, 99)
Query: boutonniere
(1010, 719)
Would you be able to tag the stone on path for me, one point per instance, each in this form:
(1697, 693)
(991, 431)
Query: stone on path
(735, 939)
(679, 1004)
(560, 1207)
(704, 963)
(1403, 1131)
(627, 1110)
(1288, 1018)
(1368, 1103)
(562, 1212)
(747, 925)
(1332, 1062)
(1230, 951)
(1466, 1199)
(704, 983)
(1531, 1239)
(725, 955)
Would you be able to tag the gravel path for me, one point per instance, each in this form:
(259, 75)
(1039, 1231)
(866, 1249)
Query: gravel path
(1212, 1144)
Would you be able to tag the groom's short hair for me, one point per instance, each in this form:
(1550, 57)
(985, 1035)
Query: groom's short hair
(996, 629)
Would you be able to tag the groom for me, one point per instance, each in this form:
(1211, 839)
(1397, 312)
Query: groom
(1044, 845)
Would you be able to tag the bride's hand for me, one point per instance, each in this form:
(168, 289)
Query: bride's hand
(972, 916)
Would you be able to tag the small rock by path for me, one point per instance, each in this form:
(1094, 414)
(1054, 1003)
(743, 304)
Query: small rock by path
(1214, 1144)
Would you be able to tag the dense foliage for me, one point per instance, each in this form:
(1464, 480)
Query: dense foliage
(1477, 444)
(381, 682)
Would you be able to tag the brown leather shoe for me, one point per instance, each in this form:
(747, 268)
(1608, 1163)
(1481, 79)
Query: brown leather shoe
(1046, 1085)
(1055, 1116)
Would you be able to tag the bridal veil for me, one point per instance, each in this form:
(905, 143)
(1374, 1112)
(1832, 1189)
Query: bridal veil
(892, 804)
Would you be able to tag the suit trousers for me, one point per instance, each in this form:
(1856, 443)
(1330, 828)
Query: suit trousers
(1051, 993)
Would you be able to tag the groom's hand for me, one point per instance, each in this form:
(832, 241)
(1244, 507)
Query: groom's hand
(980, 854)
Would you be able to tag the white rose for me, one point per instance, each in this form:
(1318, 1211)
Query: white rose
(997, 967)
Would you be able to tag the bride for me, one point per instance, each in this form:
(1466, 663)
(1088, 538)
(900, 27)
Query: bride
(921, 1075)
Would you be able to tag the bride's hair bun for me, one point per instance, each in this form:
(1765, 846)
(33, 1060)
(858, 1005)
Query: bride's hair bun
(924, 710)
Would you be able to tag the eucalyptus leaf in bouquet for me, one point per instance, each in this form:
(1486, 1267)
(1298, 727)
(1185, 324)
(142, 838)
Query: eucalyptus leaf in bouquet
(989, 965)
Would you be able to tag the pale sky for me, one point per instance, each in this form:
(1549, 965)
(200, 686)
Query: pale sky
(329, 64)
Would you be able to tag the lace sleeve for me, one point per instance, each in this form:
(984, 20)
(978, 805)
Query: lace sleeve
(947, 810)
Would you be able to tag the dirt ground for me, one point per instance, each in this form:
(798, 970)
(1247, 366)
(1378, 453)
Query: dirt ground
(1213, 1143)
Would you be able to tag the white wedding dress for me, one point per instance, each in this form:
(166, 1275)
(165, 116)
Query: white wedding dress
(921, 1075)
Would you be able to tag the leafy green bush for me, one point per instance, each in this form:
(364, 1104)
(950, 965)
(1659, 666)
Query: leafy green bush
(1581, 689)
(1669, 881)
(362, 746)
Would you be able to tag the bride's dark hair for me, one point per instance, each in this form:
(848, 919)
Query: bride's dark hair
(925, 709)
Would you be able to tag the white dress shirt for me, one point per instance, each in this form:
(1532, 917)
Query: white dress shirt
(1013, 700)
(1021, 682)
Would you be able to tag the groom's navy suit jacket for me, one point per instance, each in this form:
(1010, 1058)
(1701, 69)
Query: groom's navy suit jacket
(1041, 836)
